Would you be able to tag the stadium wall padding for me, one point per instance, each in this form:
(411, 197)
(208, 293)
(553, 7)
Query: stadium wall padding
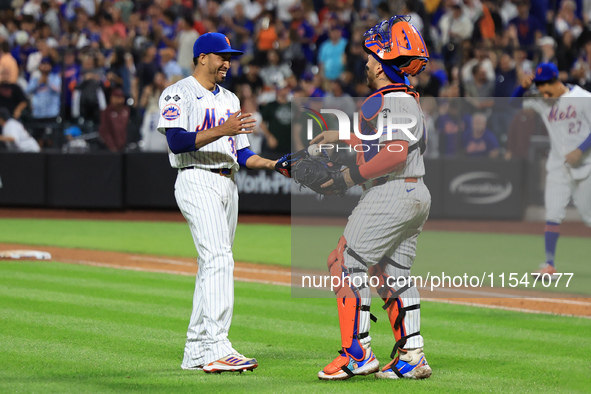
(460, 188)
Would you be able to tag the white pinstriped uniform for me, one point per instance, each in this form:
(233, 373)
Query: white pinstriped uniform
(568, 122)
(209, 203)
(390, 217)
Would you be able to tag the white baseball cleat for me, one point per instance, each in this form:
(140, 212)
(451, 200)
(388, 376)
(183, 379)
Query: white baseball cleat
(232, 363)
(345, 367)
(409, 364)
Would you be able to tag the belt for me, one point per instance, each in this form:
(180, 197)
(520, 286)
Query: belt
(381, 180)
(219, 171)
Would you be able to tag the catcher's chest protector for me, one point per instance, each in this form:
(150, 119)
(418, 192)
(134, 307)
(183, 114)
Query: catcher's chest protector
(372, 107)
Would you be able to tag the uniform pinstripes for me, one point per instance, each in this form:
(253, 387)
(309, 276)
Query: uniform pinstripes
(568, 121)
(402, 103)
(209, 203)
(560, 187)
(197, 105)
(388, 220)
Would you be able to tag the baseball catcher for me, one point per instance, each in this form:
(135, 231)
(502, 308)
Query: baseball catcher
(380, 238)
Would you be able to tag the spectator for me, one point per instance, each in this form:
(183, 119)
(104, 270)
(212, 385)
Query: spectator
(8, 62)
(481, 85)
(304, 29)
(426, 84)
(524, 124)
(70, 76)
(455, 26)
(45, 91)
(478, 141)
(50, 12)
(293, 54)
(119, 73)
(266, 33)
(566, 20)
(566, 54)
(147, 68)
(547, 47)
(164, 29)
(331, 55)
(489, 26)
(114, 122)
(506, 77)
(185, 39)
(259, 132)
(275, 72)
(169, 65)
(242, 29)
(277, 116)
(142, 37)
(525, 29)
(88, 96)
(250, 77)
(337, 98)
(151, 139)
(14, 134)
(12, 95)
(310, 85)
(44, 52)
(449, 126)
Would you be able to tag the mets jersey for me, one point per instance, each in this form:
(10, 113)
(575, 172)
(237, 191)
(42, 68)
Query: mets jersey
(190, 106)
(568, 121)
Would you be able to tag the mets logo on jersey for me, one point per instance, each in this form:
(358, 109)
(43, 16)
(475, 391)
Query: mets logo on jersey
(171, 112)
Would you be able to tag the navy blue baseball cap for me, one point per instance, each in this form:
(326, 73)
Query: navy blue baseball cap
(545, 72)
(213, 43)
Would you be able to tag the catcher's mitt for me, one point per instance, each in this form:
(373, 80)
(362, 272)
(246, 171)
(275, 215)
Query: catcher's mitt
(314, 172)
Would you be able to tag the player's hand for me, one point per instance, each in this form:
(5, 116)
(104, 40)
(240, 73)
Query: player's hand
(527, 81)
(574, 157)
(238, 123)
(326, 137)
(346, 176)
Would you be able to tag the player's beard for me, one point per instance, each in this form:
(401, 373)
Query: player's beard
(220, 75)
(371, 79)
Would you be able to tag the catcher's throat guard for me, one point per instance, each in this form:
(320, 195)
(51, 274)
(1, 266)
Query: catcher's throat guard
(397, 43)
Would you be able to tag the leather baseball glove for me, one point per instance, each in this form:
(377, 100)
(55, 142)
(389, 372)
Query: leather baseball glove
(313, 172)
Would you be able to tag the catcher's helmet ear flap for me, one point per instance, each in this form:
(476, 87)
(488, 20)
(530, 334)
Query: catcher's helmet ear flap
(398, 43)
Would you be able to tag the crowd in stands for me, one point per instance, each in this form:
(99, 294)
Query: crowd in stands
(87, 74)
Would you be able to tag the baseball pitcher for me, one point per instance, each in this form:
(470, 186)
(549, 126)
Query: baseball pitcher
(207, 142)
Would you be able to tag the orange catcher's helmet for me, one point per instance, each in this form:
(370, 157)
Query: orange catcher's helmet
(397, 43)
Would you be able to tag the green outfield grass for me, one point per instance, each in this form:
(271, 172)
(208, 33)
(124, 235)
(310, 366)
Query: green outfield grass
(458, 253)
(72, 328)
(452, 253)
(254, 242)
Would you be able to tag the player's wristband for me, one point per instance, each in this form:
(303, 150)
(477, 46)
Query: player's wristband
(355, 175)
(584, 147)
(243, 155)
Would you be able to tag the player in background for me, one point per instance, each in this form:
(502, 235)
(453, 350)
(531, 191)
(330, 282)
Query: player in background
(566, 112)
(381, 233)
(207, 142)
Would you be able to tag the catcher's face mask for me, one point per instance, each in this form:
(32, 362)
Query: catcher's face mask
(397, 43)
